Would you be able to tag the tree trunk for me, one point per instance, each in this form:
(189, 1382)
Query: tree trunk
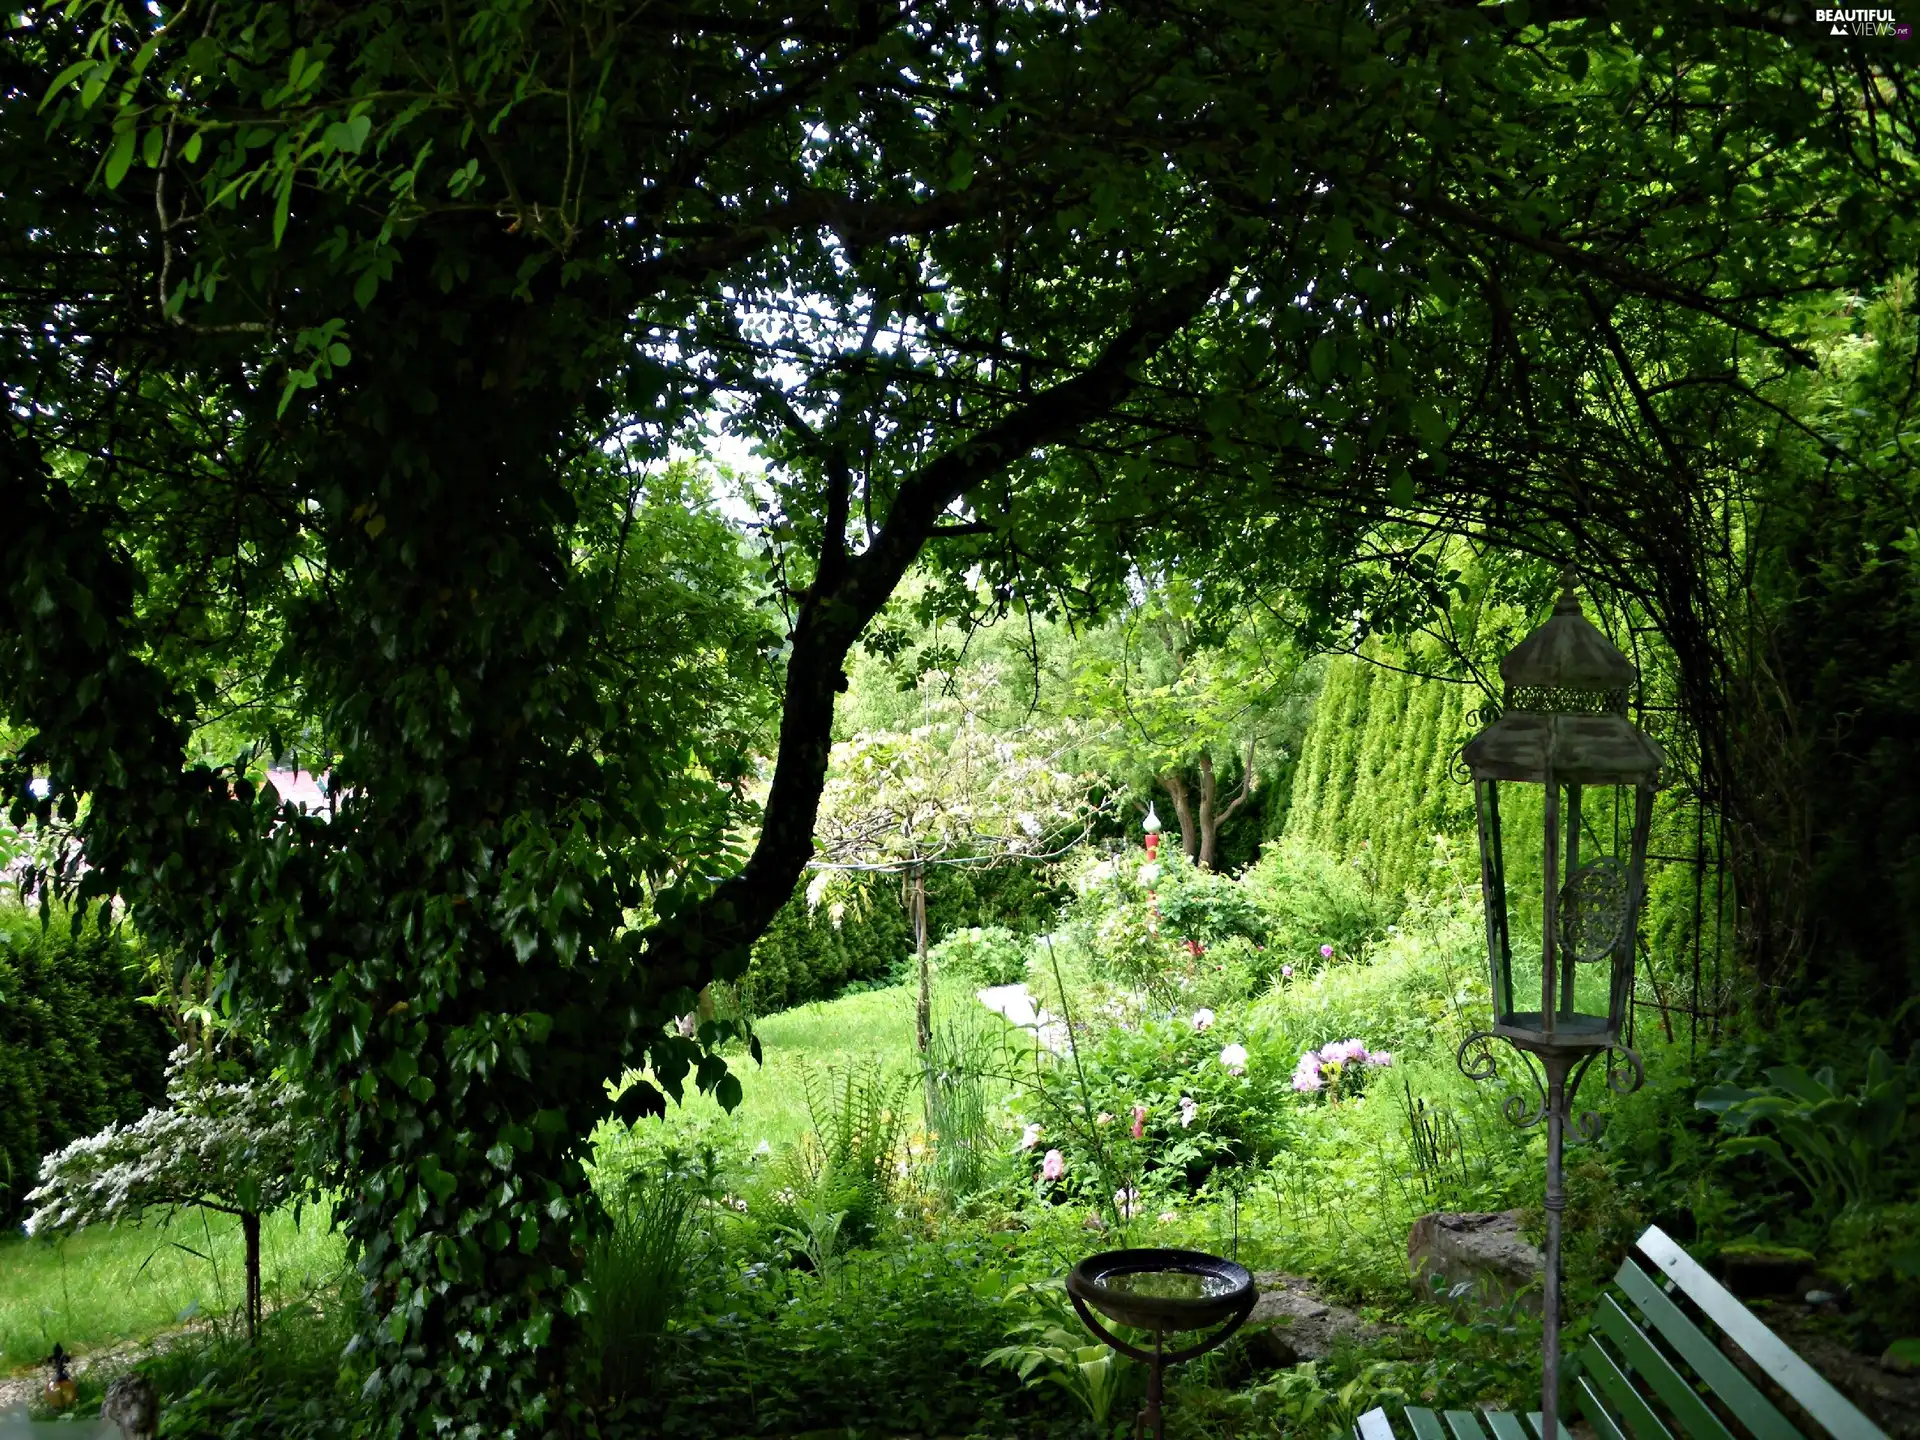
(1176, 786)
(923, 1006)
(1212, 817)
(1209, 823)
(250, 1228)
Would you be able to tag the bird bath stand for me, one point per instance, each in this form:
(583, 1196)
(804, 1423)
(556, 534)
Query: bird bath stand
(1164, 1291)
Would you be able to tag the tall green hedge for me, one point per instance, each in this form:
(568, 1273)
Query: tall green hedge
(860, 932)
(810, 953)
(1375, 782)
(77, 1049)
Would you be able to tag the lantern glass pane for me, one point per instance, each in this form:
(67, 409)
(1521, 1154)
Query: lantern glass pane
(1592, 881)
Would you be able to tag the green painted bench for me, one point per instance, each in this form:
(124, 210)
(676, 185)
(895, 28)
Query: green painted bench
(1650, 1370)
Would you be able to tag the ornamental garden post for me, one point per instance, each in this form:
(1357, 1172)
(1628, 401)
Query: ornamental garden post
(1563, 790)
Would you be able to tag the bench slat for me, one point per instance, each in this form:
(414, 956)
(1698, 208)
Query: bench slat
(1426, 1424)
(1374, 1425)
(1595, 1409)
(1721, 1375)
(1628, 1403)
(1464, 1424)
(1828, 1407)
(1506, 1425)
(1652, 1365)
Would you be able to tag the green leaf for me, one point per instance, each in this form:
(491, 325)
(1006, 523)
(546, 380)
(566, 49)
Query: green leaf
(119, 158)
(282, 203)
(151, 144)
(348, 135)
(65, 78)
(1579, 62)
(1430, 425)
(1321, 358)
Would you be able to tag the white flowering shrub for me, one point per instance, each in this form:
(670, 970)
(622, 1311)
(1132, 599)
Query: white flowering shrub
(223, 1146)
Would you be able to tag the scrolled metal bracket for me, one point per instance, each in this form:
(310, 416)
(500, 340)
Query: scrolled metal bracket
(1476, 1060)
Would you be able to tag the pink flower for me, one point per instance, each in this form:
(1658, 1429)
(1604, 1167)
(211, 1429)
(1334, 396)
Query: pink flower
(1030, 1137)
(1139, 1121)
(1188, 1109)
(1105, 1117)
(1326, 952)
(1286, 972)
(1382, 1058)
(1234, 1057)
(1167, 1217)
(1306, 1081)
(1053, 1165)
(1343, 1052)
(1203, 1020)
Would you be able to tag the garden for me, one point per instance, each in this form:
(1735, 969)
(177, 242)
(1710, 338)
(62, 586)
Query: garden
(697, 701)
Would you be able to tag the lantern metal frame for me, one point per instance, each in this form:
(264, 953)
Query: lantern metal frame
(1563, 727)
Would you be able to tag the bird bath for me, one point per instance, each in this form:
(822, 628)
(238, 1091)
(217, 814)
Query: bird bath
(1164, 1292)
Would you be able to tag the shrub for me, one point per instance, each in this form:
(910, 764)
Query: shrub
(1308, 901)
(1200, 905)
(1209, 1101)
(983, 955)
(78, 1051)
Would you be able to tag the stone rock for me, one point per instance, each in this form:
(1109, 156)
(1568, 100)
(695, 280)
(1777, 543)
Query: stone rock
(1290, 1322)
(1482, 1250)
(132, 1404)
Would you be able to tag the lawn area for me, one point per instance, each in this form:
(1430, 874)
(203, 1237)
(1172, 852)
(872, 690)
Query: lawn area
(107, 1286)
(818, 1037)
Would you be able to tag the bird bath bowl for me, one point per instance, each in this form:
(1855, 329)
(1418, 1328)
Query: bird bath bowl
(1164, 1292)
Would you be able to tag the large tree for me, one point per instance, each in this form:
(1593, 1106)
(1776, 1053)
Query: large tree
(321, 321)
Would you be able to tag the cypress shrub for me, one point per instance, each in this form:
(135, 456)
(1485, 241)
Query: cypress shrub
(1375, 782)
(77, 1048)
(814, 952)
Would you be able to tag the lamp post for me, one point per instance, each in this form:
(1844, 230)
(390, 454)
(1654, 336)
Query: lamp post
(1564, 732)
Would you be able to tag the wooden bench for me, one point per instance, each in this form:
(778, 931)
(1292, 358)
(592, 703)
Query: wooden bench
(1650, 1371)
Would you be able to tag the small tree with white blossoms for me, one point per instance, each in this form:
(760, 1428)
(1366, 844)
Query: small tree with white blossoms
(950, 792)
(225, 1146)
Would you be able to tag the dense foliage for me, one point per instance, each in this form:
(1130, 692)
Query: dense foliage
(78, 1049)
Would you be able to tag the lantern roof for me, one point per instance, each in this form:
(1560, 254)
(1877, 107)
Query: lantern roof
(1566, 708)
(1567, 665)
(1583, 749)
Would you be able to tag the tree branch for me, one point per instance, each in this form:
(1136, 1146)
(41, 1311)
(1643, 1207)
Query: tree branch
(715, 930)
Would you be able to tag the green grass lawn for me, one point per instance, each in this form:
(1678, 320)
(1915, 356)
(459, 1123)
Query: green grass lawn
(876, 1025)
(106, 1286)
(817, 1038)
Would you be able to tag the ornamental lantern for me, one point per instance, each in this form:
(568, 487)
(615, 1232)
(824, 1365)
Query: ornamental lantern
(1563, 888)
(1563, 787)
